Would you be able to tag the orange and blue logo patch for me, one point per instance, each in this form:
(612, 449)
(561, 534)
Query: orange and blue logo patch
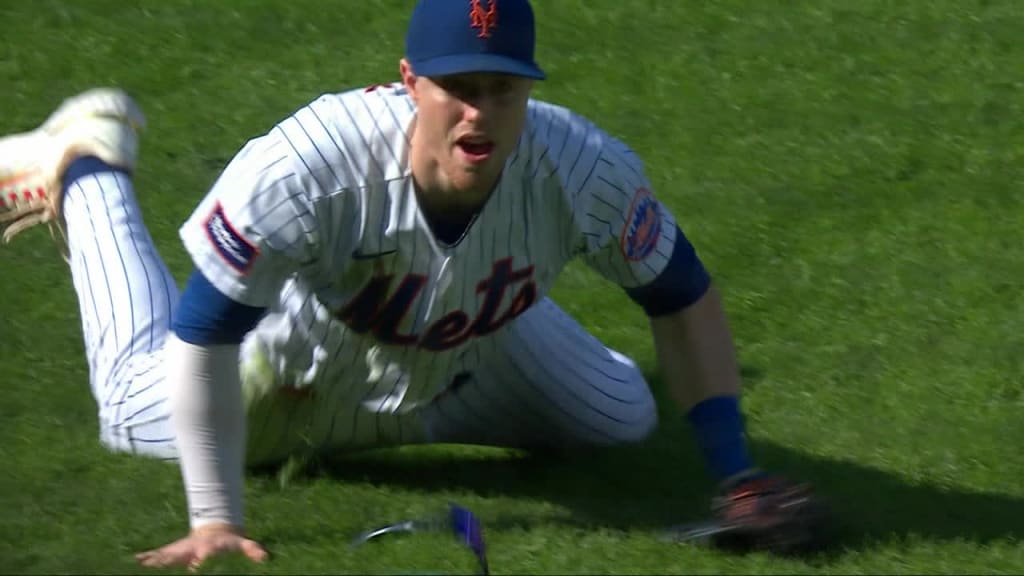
(238, 252)
(643, 226)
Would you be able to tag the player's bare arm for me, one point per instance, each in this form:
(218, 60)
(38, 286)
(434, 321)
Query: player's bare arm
(697, 358)
(696, 353)
(651, 257)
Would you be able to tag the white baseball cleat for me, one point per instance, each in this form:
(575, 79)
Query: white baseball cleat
(102, 122)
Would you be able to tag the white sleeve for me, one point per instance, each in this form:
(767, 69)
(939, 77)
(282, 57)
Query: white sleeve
(256, 226)
(625, 233)
(209, 422)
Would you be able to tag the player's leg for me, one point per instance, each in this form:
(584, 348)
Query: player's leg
(310, 388)
(546, 383)
(126, 301)
(278, 414)
(73, 173)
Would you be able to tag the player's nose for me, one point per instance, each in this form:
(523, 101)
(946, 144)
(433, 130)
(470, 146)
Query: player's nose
(483, 104)
(473, 111)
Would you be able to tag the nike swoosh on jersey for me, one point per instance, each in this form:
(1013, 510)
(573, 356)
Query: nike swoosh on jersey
(361, 256)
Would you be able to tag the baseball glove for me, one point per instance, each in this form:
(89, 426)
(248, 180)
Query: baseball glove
(767, 513)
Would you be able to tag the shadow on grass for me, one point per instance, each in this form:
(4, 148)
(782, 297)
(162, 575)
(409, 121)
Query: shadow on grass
(662, 482)
(654, 485)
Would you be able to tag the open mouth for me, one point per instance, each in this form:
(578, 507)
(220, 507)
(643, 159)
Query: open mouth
(475, 149)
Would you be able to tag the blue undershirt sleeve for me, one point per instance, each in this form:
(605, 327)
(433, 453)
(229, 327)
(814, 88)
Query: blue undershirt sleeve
(683, 281)
(205, 316)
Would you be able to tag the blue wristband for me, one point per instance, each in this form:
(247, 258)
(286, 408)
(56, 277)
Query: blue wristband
(718, 427)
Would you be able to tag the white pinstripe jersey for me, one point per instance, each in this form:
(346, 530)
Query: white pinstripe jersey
(318, 220)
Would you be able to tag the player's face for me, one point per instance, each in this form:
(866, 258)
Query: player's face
(467, 125)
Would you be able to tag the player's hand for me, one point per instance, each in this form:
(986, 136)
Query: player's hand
(769, 513)
(202, 543)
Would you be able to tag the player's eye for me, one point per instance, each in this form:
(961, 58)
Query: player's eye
(502, 88)
(471, 89)
(457, 86)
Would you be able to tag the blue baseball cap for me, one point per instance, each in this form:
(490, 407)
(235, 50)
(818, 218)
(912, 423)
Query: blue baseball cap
(460, 36)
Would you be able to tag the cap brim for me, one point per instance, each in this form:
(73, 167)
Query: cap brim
(469, 63)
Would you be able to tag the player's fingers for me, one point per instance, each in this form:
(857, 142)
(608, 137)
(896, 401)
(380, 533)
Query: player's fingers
(149, 558)
(143, 556)
(202, 551)
(162, 558)
(253, 550)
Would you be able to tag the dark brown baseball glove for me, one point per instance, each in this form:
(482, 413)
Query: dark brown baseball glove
(767, 513)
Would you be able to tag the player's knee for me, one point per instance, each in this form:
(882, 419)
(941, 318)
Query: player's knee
(630, 422)
(643, 421)
(151, 440)
(646, 407)
(650, 419)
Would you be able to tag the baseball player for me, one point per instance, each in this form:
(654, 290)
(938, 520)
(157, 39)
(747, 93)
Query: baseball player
(373, 271)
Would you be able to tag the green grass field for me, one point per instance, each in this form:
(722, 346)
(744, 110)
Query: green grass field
(852, 172)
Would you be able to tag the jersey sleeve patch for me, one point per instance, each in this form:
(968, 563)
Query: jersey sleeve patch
(642, 228)
(238, 252)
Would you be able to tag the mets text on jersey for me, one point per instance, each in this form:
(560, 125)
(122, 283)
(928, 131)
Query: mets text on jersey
(369, 312)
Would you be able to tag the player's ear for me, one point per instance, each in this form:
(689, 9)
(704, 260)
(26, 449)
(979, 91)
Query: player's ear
(408, 77)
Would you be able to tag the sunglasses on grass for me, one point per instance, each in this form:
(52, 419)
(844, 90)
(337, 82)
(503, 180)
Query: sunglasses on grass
(462, 523)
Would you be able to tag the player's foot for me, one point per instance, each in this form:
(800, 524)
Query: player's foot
(102, 122)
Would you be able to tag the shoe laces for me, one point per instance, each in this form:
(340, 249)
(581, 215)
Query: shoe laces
(24, 202)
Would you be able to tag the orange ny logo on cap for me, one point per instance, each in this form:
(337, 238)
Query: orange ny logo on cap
(483, 19)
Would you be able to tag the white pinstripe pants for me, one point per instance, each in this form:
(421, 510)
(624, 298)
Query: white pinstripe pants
(552, 383)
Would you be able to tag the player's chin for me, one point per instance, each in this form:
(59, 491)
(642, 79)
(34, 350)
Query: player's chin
(472, 182)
